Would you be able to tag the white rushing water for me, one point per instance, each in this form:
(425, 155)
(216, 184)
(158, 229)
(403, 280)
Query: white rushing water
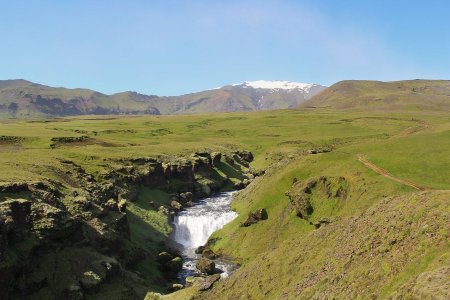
(195, 225)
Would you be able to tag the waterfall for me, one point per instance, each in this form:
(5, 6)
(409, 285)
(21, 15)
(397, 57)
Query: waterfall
(193, 227)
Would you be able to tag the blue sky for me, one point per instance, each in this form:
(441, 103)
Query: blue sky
(175, 47)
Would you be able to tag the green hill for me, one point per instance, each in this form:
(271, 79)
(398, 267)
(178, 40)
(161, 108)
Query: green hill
(415, 95)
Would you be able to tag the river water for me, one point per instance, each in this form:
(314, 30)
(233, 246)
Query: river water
(194, 225)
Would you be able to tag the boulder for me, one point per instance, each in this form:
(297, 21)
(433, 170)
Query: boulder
(90, 281)
(246, 155)
(164, 210)
(175, 264)
(208, 282)
(239, 185)
(176, 205)
(191, 280)
(186, 197)
(255, 217)
(176, 287)
(200, 249)
(206, 265)
(164, 257)
(208, 253)
(169, 263)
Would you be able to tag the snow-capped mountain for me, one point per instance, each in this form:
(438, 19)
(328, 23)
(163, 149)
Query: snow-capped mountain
(277, 85)
(24, 99)
(270, 94)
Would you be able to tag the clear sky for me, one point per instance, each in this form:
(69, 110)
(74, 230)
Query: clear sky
(174, 47)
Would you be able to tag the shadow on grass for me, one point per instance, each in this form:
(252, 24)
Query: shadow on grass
(231, 171)
(152, 241)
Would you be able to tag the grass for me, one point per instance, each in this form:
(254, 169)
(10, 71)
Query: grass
(397, 143)
(363, 95)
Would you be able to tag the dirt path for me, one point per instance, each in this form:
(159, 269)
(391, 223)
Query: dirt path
(386, 174)
(419, 127)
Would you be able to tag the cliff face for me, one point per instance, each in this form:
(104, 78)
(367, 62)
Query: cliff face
(81, 235)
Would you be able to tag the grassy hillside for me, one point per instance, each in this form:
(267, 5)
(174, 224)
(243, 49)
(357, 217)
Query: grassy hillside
(381, 234)
(21, 99)
(413, 95)
(382, 239)
(373, 231)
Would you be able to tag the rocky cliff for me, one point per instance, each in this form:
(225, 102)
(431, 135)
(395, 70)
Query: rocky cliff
(73, 237)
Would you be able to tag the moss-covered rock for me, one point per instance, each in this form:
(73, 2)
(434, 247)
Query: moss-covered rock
(208, 253)
(206, 265)
(255, 217)
(303, 194)
(208, 282)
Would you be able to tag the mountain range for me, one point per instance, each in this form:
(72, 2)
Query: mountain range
(24, 99)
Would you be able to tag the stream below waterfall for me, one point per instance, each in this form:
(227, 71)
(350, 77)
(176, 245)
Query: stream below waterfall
(194, 225)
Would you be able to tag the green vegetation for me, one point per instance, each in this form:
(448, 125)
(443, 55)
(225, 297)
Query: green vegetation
(363, 95)
(364, 235)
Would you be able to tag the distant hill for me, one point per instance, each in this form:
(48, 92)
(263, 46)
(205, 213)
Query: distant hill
(24, 99)
(377, 95)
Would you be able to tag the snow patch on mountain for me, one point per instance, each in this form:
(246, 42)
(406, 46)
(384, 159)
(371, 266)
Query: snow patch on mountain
(276, 85)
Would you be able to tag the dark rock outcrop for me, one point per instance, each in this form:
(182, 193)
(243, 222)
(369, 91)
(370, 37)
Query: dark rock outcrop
(216, 158)
(200, 249)
(15, 222)
(169, 264)
(323, 188)
(209, 254)
(255, 217)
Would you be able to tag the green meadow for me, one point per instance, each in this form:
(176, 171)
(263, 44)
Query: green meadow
(363, 226)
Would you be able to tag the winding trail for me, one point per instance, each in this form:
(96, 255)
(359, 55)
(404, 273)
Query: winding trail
(418, 128)
(386, 174)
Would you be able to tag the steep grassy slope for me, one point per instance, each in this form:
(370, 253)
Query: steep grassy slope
(380, 234)
(361, 95)
(365, 239)
(386, 251)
